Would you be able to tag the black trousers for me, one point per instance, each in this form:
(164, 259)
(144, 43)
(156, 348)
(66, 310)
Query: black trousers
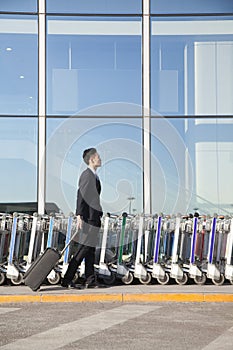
(88, 253)
(86, 249)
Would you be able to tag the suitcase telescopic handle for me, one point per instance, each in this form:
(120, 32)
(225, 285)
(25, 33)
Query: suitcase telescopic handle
(68, 243)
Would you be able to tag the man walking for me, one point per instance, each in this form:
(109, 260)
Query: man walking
(89, 213)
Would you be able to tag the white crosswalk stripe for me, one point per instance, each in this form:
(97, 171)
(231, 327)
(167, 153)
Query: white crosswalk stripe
(223, 342)
(71, 332)
(4, 310)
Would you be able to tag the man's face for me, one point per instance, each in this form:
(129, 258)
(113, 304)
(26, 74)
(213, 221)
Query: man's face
(95, 160)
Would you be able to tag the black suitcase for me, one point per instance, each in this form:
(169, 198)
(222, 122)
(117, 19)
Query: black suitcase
(42, 266)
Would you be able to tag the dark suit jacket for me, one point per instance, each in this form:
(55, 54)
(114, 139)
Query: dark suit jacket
(88, 198)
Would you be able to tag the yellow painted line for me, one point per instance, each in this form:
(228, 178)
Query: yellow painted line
(83, 298)
(216, 298)
(20, 298)
(163, 297)
(148, 297)
(175, 297)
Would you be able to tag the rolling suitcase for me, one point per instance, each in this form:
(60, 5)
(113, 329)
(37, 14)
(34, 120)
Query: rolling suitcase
(43, 265)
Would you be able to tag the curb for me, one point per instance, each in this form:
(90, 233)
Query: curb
(148, 297)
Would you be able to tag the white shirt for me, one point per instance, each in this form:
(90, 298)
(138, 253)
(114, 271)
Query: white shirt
(94, 172)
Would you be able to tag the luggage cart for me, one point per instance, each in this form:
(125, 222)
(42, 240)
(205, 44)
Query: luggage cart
(214, 270)
(186, 250)
(202, 246)
(160, 269)
(23, 236)
(137, 266)
(110, 264)
(67, 252)
(163, 248)
(33, 236)
(130, 250)
(168, 234)
(5, 227)
(229, 251)
(19, 245)
(12, 272)
(222, 230)
(54, 275)
(147, 249)
(105, 267)
(177, 272)
(140, 270)
(113, 260)
(195, 271)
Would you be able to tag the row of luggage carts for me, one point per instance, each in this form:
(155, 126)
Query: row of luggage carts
(146, 248)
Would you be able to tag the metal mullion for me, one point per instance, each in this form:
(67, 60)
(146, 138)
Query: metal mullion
(146, 107)
(42, 109)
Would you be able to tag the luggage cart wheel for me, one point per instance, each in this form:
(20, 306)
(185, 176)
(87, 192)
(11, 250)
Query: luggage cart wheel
(16, 281)
(164, 280)
(128, 279)
(2, 278)
(200, 280)
(220, 281)
(231, 281)
(145, 280)
(183, 280)
(55, 280)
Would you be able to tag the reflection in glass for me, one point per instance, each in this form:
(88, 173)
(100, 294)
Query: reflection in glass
(192, 165)
(119, 143)
(191, 6)
(91, 63)
(191, 66)
(93, 6)
(18, 65)
(18, 156)
(18, 5)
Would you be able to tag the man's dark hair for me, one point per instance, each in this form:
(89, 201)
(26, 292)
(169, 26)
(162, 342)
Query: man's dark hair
(87, 153)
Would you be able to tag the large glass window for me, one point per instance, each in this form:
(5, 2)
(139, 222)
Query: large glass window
(192, 165)
(18, 5)
(119, 142)
(93, 6)
(18, 156)
(92, 63)
(18, 65)
(191, 66)
(191, 6)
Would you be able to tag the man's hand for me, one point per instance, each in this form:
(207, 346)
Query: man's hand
(79, 222)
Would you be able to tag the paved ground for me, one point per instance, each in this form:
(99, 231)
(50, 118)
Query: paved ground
(115, 326)
(133, 293)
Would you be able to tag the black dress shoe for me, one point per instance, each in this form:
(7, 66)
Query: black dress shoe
(69, 285)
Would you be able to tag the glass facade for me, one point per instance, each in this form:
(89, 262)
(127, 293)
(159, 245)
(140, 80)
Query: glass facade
(18, 65)
(18, 156)
(191, 6)
(92, 62)
(18, 5)
(192, 64)
(92, 7)
(150, 86)
(192, 164)
(119, 142)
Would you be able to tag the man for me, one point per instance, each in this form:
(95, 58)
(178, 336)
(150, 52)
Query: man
(89, 213)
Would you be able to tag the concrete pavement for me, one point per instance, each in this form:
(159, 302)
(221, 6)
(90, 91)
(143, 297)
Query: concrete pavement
(104, 326)
(120, 293)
